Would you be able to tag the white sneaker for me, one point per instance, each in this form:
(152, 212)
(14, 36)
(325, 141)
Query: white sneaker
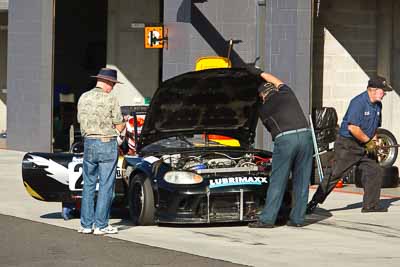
(85, 230)
(106, 230)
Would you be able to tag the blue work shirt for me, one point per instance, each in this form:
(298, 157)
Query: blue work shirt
(362, 113)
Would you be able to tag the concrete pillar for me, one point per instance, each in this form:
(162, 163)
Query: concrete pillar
(3, 70)
(388, 40)
(396, 45)
(30, 72)
(263, 140)
(384, 36)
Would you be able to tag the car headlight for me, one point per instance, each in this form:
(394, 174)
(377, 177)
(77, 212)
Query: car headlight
(181, 177)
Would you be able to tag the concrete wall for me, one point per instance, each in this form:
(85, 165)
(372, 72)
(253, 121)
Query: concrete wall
(353, 40)
(138, 68)
(3, 70)
(204, 28)
(3, 4)
(288, 47)
(3, 64)
(288, 51)
(29, 81)
(344, 51)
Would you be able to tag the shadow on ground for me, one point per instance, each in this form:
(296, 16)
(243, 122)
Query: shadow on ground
(126, 223)
(387, 202)
(318, 215)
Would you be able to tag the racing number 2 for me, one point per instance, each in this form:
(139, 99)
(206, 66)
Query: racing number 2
(75, 175)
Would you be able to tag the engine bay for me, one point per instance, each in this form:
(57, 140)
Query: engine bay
(215, 162)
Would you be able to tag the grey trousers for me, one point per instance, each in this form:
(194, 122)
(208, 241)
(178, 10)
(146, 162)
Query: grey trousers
(347, 154)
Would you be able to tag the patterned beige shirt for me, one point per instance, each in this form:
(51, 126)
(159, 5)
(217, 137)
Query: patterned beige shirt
(98, 112)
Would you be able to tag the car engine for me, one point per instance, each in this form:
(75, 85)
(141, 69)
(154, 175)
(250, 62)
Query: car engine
(216, 162)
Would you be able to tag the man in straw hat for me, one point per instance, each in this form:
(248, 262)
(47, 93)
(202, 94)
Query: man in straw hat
(100, 119)
(354, 146)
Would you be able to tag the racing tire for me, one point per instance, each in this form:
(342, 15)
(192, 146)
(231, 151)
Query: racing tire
(386, 156)
(141, 200)
(390, 177)
(76, 147)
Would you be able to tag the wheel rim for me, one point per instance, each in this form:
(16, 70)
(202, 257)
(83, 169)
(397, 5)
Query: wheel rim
(385, 154)
(138, 199)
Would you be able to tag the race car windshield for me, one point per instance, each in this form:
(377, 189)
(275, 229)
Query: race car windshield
(196, 140)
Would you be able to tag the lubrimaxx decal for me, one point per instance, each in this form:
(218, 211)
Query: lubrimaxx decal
(232, 181)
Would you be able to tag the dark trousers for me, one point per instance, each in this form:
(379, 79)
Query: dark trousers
(347, 154)
(292, 154)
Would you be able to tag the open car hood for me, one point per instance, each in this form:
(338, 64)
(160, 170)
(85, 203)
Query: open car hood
(217, 101)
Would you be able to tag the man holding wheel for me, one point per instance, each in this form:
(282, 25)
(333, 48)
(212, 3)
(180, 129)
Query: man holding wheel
(356, 145)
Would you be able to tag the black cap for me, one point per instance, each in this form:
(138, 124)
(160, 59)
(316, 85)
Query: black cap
(379, 82)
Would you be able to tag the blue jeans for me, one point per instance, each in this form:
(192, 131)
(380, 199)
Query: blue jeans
(292, 153)
(99, 161)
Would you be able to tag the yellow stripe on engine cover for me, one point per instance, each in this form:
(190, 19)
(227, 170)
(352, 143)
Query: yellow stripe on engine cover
(33, 192)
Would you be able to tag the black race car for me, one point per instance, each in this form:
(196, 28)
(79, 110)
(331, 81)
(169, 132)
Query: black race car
(195, 162)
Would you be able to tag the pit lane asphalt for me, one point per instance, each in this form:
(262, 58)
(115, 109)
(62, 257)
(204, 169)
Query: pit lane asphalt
(27, 243)
(337, 235)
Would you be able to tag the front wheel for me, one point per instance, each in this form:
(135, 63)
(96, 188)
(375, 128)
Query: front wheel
(387, 150)
(76, 147)
(141, 200)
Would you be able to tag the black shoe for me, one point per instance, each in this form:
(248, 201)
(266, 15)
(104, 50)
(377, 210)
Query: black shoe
(311, 206)
(291, 224)
(376, 209)
(259, 224)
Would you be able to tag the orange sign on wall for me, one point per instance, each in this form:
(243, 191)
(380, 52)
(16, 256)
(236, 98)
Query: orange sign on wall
(153, 37)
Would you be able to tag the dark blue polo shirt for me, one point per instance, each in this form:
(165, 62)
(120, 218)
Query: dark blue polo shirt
(362, 113)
